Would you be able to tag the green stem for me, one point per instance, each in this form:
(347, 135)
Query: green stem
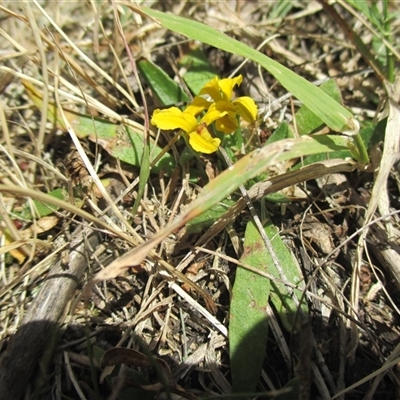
(362, 155)
(387, 32)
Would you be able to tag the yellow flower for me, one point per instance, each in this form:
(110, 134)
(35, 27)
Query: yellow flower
(199, 136)
(221, 90)
(221, 110)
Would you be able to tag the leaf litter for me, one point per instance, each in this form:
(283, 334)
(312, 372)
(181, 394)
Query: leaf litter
(162, 339)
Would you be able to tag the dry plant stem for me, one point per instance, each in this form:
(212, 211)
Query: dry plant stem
(72, 377)
(39, 328)
(393, 356)
(43, 64)
(353, 37)
(386, 367)
(379, 198)
(135, 71)
(90, 168)
(85, 58)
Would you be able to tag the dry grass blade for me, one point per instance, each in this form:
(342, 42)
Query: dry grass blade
(379, 196)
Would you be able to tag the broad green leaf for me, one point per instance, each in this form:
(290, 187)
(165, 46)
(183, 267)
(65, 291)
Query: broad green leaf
(254, 163)
(306, 120)
(167, 91)
(127, 146)
(374, 133)
(44, 209)
(248, 325)
(279, 294)
(332, 113)
(199, 70)
(121, 142)
(315, 158)
(281, 132)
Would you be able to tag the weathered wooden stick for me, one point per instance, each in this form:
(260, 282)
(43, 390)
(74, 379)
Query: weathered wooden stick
(41, 324)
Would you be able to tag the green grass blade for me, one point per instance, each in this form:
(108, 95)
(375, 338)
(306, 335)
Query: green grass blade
(332, 113)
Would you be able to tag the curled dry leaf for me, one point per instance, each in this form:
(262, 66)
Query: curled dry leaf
(42, 225)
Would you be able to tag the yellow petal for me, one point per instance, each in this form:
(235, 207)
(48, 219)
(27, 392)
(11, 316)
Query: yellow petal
(203, 142)
(174, 118)
(227, 124)
(246, 108)
(224, 115)
(197, 106)
(212, 115)
(212, 89)
(227, 85)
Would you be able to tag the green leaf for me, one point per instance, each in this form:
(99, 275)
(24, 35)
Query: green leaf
(279, 294)
(371, 135)
(143, 176)
(206, 219)
(374, 133)
(306, 120)
(166, 90)
(370, 10)
(199, 70)
(332, 113)
(254, 163)
(293, 387)
(277, 198)
(127, 145)
(248, 326)
(315, 158)
(44, 209)
(281, 132)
